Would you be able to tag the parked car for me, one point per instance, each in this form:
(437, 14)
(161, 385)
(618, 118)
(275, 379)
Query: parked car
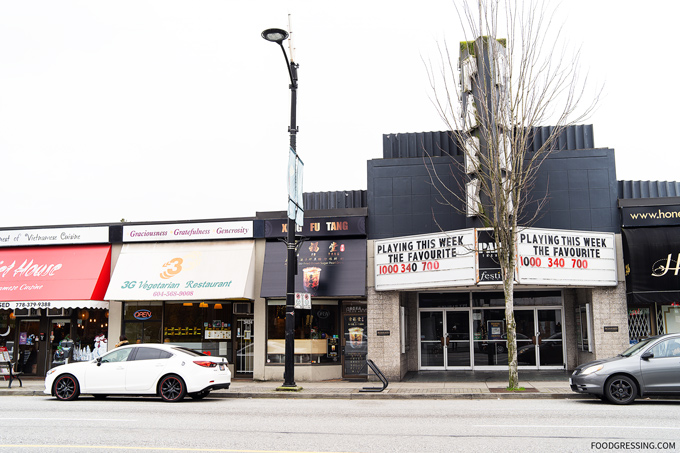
(170, 372)
(650, 367)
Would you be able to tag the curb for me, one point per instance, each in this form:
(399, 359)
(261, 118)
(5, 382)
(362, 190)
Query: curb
(360, 396)
(405, 396)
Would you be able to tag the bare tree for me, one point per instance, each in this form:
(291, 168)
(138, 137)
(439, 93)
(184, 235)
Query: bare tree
(513, 78)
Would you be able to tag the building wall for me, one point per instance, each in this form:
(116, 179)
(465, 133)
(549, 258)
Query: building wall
(384, 313)
(304, 373)
(609, 309)
(115, 307)
(416, 189)
(259, 315)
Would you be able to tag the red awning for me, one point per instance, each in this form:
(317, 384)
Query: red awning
(54, 273)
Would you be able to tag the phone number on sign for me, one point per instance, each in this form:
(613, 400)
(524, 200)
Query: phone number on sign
(410, 267)
(173, 293)
(553, 262)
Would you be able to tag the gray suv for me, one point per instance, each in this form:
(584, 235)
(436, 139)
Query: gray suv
(650, 367)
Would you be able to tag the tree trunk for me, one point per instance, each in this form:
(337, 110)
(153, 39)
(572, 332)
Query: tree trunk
(511, 331)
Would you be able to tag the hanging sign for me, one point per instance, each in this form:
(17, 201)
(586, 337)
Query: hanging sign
(303, 301)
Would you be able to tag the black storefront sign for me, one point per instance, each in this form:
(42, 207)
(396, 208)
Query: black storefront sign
(652, 260)
(640, 216)
(330, 268)
(317, 227)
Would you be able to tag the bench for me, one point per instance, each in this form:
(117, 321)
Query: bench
(6, 370)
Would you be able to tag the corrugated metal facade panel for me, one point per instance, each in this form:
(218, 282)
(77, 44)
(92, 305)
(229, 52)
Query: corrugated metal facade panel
(416, 144)
(648, 189)
(436, 144)
(343, 199)
(573, 138)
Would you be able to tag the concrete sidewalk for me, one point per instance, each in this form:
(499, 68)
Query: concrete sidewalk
(459, 386)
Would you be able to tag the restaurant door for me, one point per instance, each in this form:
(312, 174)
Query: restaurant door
(29, 346)
(243, 364)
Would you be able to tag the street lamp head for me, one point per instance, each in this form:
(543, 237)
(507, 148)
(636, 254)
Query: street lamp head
(275, 35)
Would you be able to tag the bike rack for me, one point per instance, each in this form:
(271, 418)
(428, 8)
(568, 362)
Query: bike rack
(380, 375)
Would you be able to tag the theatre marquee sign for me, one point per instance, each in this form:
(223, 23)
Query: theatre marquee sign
(566, 258)
(428, 261)
(454, 258)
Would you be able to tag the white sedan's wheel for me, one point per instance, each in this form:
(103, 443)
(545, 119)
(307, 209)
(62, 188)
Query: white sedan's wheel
(66, 388)
(172, 388)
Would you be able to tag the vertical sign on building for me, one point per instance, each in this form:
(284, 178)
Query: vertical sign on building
(488, 266)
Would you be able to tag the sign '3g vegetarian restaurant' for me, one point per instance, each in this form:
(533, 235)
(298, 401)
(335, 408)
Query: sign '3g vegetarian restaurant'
(453, 258)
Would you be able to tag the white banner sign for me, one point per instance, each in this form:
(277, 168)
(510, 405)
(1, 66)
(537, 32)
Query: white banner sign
(427, 261)
(566, 258)
(188, 231)
(184, 271)
(54, 236)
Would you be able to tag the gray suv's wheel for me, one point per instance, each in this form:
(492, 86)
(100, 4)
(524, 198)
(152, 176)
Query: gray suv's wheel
(620, 390)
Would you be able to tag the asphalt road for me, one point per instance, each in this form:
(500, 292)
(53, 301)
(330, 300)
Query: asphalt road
(36, 424)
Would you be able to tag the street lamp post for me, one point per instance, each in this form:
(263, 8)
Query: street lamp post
(278, 36)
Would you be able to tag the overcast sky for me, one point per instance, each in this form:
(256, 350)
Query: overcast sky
(177, 110)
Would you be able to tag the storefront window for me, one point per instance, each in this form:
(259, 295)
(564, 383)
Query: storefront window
(90, 323)
(317, 333)
(142, 321)
(202, 326)
(671, 318)
(488, 327)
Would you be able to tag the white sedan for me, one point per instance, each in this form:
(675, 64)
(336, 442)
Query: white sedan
(170, 372)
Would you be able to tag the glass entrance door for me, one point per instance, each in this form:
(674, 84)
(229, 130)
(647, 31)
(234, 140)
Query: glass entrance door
(431, 340)
(550, 340)
(444, 339)
(29, 346)
(539, 337)
(244, 346)
(457, 342)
